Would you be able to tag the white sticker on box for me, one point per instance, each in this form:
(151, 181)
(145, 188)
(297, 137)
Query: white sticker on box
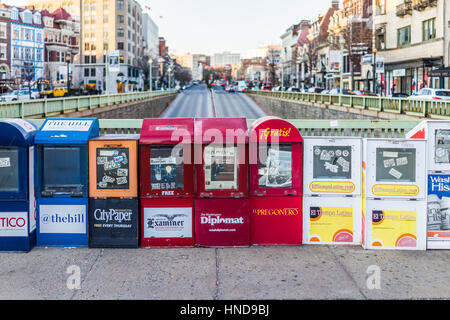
(102, 160)
(390, 154)
(107, 153)
(13, 224)
(333, 168)
(5, 162)
(395, 173)
(122, 180)
(325, 156)
(122, 172)
(402, 161)
(389, 163)
(108, 179)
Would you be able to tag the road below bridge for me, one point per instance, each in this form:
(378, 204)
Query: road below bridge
(199, 101)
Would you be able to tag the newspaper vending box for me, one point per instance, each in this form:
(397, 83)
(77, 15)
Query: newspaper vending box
(394, 194)
(437, 134)
(113, 191)
(167, 183)
(17, 201)
(62, 181)
(332, 211)
(275, 157)
(221, 204)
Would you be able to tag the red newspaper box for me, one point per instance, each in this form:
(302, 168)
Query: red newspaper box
(167, 183)
(221, 205)
(276, 166)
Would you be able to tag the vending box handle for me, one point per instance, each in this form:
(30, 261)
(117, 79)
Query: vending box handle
(113, 145)
(76, 194)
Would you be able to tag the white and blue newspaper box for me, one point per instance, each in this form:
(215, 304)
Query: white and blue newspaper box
(62, 181)
(17, 201)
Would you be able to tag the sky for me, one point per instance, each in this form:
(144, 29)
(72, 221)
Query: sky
(211, 26)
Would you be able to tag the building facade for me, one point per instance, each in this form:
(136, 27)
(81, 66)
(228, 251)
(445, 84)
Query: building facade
(5, 48)
(411, 37)
(27, 45)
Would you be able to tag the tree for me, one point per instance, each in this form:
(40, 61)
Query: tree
(357, 35)
(183, 75)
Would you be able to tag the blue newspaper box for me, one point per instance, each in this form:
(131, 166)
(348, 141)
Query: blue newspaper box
(17, 201)
(62, 181)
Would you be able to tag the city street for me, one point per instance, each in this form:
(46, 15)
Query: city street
(199, 101)
(301, 272)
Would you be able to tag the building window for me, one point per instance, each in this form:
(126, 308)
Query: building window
(3, 30)
(86, 59)
(404, 36)
(93, 59)
(86, 72)
(120, 18)
(92, 72)
(428, 30)
(3, 52)
(119, 4)
(120, 32)
(120, 45)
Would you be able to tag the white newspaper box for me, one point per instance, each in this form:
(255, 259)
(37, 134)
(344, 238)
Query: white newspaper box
(333, 166)
(437, 134)
(394, 194)
(332, 212)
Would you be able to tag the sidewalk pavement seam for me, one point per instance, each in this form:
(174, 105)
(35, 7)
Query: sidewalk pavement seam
(87, 274)
(347, 273)
(217, 290)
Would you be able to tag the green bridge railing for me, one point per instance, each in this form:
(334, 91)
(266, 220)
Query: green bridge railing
(433, 109)
(55, 106)
(355, 128)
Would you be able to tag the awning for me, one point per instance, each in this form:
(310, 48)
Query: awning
(443, 72)
(92, 81)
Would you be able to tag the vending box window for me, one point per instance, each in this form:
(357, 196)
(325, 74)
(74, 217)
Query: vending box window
(335, 166)
(167, 183)
(221, 162)
(394, 194)
(17, 200)
(437, 134)
(62, 181)
(276, 166)
(332, 212)
(113, 191)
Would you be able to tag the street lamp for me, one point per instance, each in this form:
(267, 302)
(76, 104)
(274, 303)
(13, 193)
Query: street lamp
(341, 84)
(170, 73)
(68, 59)
(150, 62)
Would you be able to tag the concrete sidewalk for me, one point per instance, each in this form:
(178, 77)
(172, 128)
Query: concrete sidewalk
(306, 272)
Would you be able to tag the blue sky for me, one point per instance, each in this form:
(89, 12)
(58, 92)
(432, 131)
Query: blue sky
(205, 26)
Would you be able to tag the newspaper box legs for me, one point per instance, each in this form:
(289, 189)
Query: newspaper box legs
(222, 222)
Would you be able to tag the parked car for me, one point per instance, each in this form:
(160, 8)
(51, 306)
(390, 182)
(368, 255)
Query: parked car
(230, 89)
(364, 93)
(15, 95)
(293, 89)
(431, 94)
(277, 88)
(398, 95)
(326, 91)
(336, 91)
(315, 90)
(266, 88)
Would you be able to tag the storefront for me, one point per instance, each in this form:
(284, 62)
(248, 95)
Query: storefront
(411, 76)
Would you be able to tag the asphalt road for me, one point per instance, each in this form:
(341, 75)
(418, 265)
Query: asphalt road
(255, 273)
(199, 101)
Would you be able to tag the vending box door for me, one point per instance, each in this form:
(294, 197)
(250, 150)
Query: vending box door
(395, 224)
(166, 158)
(113, 223)
(113, 167)
(167, 223)
(335, 166)
(276, 220)
(332, 220)
(62, 222)
(395, 168)
(221, 157)
(275, 158)
(438, 211)
(437, 134)
(222, 222)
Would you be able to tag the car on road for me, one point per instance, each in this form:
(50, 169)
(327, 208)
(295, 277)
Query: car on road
(431, 94)
(266, 88)
(398, 95)
(230, 89)
(336, 91)
(17, 95)
(365, 93)
(293, 89)
(315, 90)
